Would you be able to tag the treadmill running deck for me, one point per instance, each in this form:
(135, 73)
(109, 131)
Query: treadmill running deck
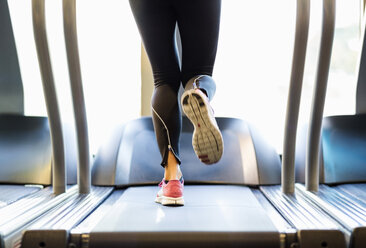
(219, 214)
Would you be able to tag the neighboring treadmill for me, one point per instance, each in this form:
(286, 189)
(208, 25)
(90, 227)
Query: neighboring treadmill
(11, 106)
(25, 149)
(79, 201)
(337, 144)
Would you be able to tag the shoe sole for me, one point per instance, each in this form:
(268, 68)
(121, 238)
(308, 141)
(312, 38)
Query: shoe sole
(207, 139)
(170, 201)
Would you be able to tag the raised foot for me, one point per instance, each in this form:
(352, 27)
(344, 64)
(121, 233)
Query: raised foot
(207, 140)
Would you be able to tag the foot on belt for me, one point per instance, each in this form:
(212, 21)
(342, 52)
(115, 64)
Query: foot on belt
(171, 193)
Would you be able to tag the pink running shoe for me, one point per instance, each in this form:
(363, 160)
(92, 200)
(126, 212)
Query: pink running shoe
(171, 192)
(207, 140)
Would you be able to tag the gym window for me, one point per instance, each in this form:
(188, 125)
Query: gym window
(252, 67)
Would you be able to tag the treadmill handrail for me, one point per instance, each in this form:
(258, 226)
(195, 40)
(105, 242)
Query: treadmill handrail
(70, 33)
(316, 118)
(50, 94)
(294, 95)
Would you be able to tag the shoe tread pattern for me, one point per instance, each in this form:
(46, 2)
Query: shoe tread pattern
(207, 139)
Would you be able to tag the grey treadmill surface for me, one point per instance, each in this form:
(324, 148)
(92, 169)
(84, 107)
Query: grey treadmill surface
(12, 193)
(358, 190)
(215, 212)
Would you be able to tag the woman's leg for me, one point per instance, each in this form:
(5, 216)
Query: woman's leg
(156, 21)
(199, 22)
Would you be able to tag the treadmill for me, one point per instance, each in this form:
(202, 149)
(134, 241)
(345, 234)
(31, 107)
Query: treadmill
(226, 204)
(11, 104)
(26, 156)
(34, 151)
(332, 151)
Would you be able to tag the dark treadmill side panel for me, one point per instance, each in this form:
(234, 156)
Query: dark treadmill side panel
(11, 86)
(343, 153)
(320, 239)
(25, 150)
(56, 238)
(186, 239)
(344, 142)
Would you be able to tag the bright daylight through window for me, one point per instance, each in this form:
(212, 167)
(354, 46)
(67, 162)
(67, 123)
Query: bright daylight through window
(252, 66)
(254, 63)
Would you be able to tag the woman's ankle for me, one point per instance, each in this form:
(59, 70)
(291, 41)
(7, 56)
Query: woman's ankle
(172, 168)
(172, 172)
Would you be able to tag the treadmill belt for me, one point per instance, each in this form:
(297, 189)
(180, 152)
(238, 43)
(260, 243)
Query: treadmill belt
(357, 190)
(226, 214)
(12, 193)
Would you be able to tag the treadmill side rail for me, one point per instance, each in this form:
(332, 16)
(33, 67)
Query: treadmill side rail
(17, 216)
(351, 213)
(298, 211)
(346, 209)
(12, 193)
(52, 230)
(314, 227)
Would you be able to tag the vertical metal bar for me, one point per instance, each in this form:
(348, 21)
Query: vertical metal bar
(69, 16)
(49, 90)
(314, 132)
(294, 95)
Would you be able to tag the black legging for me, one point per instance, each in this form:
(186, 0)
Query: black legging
(198, 22)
